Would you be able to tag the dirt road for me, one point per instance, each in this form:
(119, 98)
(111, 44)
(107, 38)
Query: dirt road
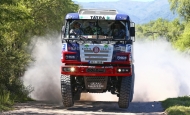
(87, 108)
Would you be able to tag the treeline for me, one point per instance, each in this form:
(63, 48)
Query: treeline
(177, 31)
(20, 20)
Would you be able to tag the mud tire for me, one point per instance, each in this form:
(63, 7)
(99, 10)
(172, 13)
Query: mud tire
(66, 91)
(125, 92)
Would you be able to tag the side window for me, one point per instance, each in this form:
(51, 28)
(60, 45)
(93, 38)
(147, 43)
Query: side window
(127, 31)
(67, 27)
(119, 30)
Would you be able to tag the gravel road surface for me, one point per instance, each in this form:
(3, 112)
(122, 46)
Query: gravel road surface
(86, 108)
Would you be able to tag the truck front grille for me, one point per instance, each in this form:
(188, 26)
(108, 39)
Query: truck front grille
(90, 56)
(103, 54)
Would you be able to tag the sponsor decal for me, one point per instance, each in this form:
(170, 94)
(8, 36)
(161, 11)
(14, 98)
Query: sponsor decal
(86, 45)
(122, 58)
(123, 48)
(107, 17)
(106, 45)
(120, 48)
(128, 48)
(98, 17)
(105, 49)
(73, 48)
(101, 49)
(86, 49)
(64, 47)
(96, 49)
(71, 57)
(81, 17)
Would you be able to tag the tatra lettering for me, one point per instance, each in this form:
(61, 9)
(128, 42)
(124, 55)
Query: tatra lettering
(98, 17)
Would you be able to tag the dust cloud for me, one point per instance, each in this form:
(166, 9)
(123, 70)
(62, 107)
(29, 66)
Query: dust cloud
(161, 72)
(44, 74)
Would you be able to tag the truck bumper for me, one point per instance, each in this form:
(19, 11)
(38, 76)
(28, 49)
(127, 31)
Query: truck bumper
(96, 70)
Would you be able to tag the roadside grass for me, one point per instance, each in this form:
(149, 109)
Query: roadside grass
(6, 105)
(177, 106)
(7, 100)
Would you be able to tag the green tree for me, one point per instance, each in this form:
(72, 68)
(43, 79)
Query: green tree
(175, 30)
(183, 43)
(20, 20)
(15, 21)
(48, 15)
(153, 29)
(182, 7)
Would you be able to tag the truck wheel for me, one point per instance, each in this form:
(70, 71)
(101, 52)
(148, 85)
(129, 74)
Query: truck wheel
(125, 91)
(66, 90)
(132, 85)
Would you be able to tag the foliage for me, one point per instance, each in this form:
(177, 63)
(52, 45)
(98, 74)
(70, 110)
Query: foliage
(161, 28)
(176, 31)
(5, 101)
(177, 106)
(183, 43)
(48, 15)
(182, 7)
(20, 21)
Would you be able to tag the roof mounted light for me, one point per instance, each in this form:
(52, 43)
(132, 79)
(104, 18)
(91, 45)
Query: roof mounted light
(98, 11)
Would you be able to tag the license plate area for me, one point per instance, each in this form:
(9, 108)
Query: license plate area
(96, 62)
(95, 70)
(95, 82)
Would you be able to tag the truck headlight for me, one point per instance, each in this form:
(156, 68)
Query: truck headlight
(70, 57)
(119, 70)
(123, 70)
(72, 69)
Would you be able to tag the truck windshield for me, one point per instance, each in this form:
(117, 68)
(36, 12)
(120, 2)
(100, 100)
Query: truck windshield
(96, 29)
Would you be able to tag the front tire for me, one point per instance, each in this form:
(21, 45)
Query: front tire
(125, 92)
(133, 82)
(66, 90)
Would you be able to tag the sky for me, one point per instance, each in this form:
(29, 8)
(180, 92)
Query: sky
(107, 0)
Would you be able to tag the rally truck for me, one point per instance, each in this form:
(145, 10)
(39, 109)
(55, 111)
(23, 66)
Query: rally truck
(95, 59)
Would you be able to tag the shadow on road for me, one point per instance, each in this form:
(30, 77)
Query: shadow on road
(134, 107)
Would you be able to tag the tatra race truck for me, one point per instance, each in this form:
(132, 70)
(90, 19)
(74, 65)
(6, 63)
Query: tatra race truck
(97, 55)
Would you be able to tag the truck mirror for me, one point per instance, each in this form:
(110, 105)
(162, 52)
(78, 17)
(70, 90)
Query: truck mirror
(62, 32)
(132, 31)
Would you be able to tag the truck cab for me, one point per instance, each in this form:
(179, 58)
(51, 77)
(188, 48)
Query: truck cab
(97, 55)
